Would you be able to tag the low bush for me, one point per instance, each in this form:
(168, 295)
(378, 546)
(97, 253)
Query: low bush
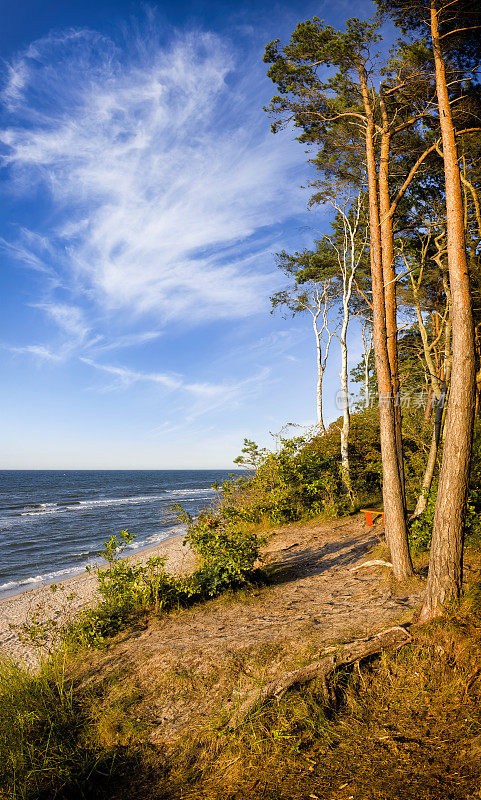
(226, 557)
(302, 478)
(227, 554)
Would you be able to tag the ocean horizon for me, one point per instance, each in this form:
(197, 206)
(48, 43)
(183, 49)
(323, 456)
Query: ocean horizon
(53, 522)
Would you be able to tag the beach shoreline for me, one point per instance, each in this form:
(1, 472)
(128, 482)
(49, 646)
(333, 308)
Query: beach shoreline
(71, 595)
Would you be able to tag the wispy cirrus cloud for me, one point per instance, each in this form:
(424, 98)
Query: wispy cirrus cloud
(104, 344)
(38, 351)
(203, 396)
(74, 333)
(126, 377)
(158, 165)
(69, 318)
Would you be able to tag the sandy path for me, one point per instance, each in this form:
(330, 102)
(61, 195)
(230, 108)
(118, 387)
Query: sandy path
(16, 610)
(318, 594)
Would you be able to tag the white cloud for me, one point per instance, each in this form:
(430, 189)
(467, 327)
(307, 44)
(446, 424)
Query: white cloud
(26, 254)
(206, 396)
(73, 327)
(157, 160)
(69, 318)
(103, 345)
(127, 377)
(38, 351)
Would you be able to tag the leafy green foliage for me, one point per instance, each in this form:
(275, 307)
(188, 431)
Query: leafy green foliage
(124, 583)
(287, 485)
(422, 528)
(227, 554)
(251, 456)
(127, 589)
(303, 478)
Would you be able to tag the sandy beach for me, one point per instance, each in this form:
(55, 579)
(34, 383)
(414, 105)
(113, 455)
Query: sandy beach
(80, 591)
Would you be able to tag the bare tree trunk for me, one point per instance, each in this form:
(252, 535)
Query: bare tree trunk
(321, 308)
(437, 390)
(320, 375)
(349, 255)
(433, 454)
(428, 477)
(346, 422)
(429, 407)
(367, 347)
(396, 530)
(446, 559)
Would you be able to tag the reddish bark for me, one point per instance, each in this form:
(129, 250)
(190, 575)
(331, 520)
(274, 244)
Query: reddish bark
(389, 278)
(446, 559)
(396, 531)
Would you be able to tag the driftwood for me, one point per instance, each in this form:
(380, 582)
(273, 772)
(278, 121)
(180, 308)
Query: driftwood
(333, 658)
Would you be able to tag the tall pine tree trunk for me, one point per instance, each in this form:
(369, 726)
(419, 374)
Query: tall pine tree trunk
(389, 277)
(446, 559)
(396, 531)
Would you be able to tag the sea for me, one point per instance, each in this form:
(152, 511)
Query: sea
(53, 523)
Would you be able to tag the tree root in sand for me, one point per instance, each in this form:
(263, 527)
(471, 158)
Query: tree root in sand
(376, 562)
(333, 659)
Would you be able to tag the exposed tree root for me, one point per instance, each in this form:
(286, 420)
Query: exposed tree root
(376, 562)
(333, 659)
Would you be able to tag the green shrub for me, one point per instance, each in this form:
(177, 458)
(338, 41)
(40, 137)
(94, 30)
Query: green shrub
(295, 482)
(127, 589)
(303, 478)
(227, 554)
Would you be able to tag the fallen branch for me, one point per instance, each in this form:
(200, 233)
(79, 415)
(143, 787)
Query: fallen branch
(376, 562)
(337, 657)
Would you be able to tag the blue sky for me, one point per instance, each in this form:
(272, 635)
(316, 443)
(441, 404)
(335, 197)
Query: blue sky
(143, 199)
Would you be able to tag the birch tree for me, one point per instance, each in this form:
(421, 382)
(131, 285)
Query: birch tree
(366, 333)
(314, 298)
(349, 254)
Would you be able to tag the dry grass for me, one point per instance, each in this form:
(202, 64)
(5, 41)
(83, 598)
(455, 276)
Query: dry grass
(406, 726)
(152, 721)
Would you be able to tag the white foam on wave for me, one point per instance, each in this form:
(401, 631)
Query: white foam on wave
(92, 505)
(24, 581)
(175, 530)
(67, 572)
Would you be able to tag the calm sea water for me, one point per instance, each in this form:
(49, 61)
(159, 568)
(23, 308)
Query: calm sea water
(53, 522)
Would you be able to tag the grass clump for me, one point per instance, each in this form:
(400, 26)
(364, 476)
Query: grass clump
(46, 742)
